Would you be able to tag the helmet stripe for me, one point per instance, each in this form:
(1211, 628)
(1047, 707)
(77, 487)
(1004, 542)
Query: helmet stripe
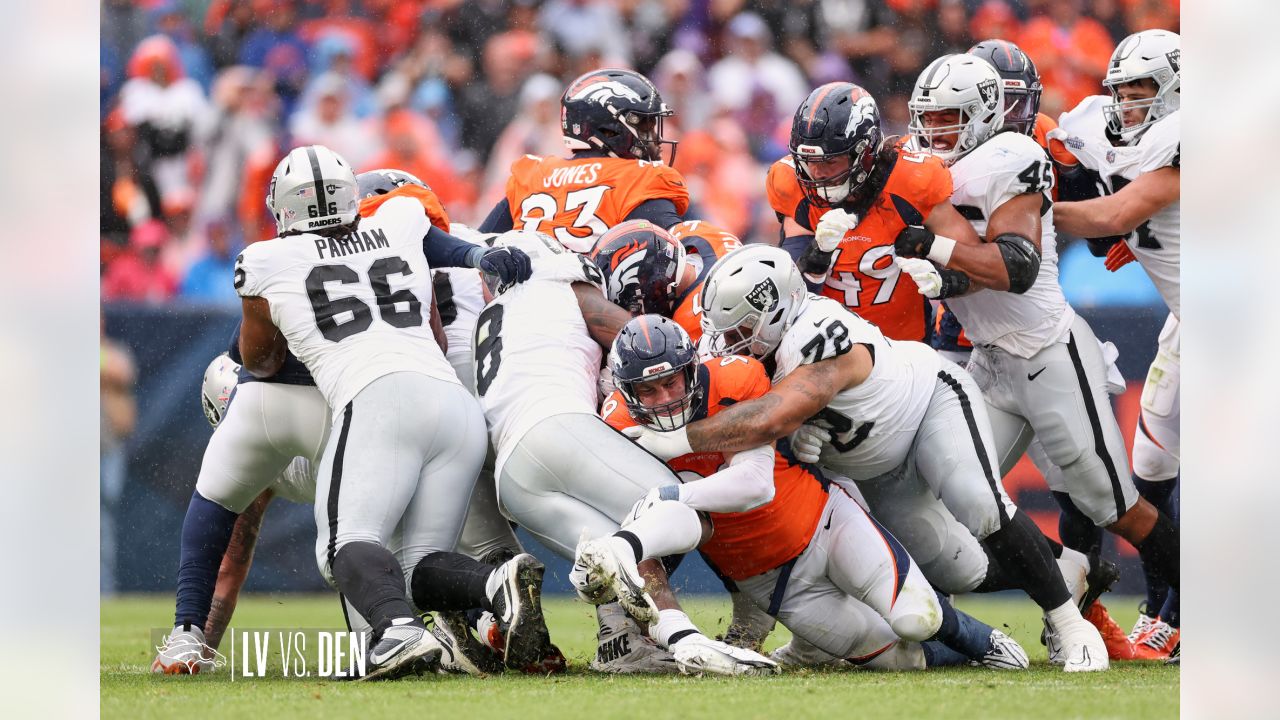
(644, 327)
(817, 102)
(321, 200)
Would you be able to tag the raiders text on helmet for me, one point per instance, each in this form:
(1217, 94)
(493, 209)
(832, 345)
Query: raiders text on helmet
(312, 188)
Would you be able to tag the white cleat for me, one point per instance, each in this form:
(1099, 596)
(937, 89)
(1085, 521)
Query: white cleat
(184, 652)
(611, 561)
(591, 586)
(799, 653)
(1004, 653)
(1077, 647)
(698, 654)
(627, 650)
(403, 650)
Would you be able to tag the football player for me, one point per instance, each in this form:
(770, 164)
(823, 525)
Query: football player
(612, 123)
(1004, 290)
(394, 463)
(898, 419)
(562, 472)
(1131, 142)
(765, 515)
(843, 194)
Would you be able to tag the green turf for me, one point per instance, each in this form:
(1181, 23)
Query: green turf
(1129, 690)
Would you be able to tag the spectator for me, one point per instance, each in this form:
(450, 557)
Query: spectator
(208, 280)
(681, 79)
(414, 146)
(994, 19)
(127, 193)
(138, 275)
(243, 120)
(164, 107)
(752, 69)
(333, 54)
(1148, 14)
(486, 107)
(581, 26)
(278, 29)
(1112, 17)
(328, 121)
(952, 31)
(226, 25)
(119, 416)
(534, 131)
(1071, 53)
(170, 22)
(863, 32)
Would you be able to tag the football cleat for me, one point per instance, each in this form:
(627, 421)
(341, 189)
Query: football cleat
(591, 587)
(184, 652)
(698, 654)
(1118, 645)
(1158, 642)
(799, 653)
(1142, 625)
(403, 650)
(1004, 653)
(1077, 647)
(611, 560)
(628, 651)
(1175, 657)
(517, 606)
(1102, 575)
(462, 653)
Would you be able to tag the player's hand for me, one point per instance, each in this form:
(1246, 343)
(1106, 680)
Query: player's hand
(928, 279)
(913, 241)
(1118, 256)
(666, 445)
(832, 228)
(807, 442)
(697, 654)
(511, 265)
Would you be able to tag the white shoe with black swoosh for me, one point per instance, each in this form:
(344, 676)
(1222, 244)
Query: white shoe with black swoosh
(1004, 653)
(403, 650)
(1077, 647)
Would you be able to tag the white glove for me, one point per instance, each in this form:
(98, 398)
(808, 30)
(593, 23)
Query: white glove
(697, 654)
(651, 498)
(666, 445)
(924, 273)
(832, 228)
(807, 442)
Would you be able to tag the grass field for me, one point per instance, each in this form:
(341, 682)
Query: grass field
(1129, 690)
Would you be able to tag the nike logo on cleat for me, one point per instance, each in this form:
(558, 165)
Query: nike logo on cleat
(1036, 374)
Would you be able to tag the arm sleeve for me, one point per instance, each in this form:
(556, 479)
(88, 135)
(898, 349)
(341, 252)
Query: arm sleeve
(660, 212)
(746, 484)
(445, 250)
(499, 218)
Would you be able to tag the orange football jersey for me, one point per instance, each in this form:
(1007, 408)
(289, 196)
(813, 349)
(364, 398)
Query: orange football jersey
(578, 199)
(864, 277)
(435, 210)
(750, 543)
(1058, 151)
(704, 244)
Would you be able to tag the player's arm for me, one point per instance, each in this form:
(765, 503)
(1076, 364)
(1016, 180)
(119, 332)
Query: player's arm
(262, 346)
(745, 483)
(235, 568)
(1121, 213)
(604, 319)
(499, 218)
(1009, 261)
(659, 211)
(510, 264)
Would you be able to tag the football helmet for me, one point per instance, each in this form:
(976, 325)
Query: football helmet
(617, 111)
(220, 379)
(313, 188)
(651, 347)
(1153, 54)
(965, 83)
(641, 264)
(383, 181)
(835, 135)
(1022, 86)
(750, 299)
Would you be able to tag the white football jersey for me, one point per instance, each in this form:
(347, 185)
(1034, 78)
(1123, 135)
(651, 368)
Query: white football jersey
(1157, 242)
(534, 358)
(873, 424)
(353, 308)
(995, 172)
(459, 294)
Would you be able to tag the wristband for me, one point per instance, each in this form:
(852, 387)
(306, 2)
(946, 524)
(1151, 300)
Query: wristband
(940, 251)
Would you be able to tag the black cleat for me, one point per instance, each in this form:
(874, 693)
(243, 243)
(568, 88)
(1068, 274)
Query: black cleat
(517, 606)
(1102, 575)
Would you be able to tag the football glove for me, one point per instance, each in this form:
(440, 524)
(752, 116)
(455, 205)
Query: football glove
(1118, 256)
(807, 442)
(832, 228)
(927, 277)
(651, 498)
(665, 445)
(511, 265)
(913, 241)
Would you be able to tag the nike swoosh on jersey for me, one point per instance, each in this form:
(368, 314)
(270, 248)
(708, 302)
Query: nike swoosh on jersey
(1036, 374)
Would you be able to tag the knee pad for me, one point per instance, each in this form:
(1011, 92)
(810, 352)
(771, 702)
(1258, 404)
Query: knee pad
(1150, 461)
(904, 655)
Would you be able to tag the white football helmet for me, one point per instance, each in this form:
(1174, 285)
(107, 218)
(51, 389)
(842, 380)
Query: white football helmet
(313, 188)
(750, 299)
(1154, 54)
(215, 390)
(957, 82)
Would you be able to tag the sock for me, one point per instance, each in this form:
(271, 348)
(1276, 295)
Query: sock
(672, 627)
(206, 533)
(449, 581)
(370, 577)
(961, 632)
(1161, 550)
(666, 528)
(1063, 615)
(1158, 493)
(1171, 609)
(938, 655)
(1025, 555)
(1076, 529)
(1055, 547)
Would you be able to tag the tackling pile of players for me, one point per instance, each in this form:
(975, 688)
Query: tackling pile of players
(829, 436)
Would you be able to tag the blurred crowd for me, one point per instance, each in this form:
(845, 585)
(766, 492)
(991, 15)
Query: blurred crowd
(201, 98)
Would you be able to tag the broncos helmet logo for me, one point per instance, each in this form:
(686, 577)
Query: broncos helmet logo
(601, 91)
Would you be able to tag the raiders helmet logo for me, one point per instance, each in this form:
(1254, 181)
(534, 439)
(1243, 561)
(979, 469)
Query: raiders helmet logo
(987, 90)
(764, 296)
(1174, 58)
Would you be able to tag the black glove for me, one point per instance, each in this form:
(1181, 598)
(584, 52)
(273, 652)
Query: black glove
(914, 241)
(511, 265)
